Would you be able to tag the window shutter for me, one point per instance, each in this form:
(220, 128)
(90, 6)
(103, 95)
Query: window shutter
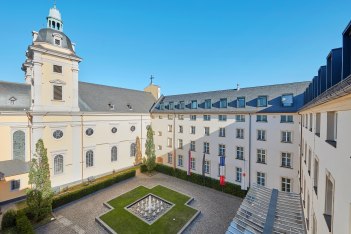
(57, 92)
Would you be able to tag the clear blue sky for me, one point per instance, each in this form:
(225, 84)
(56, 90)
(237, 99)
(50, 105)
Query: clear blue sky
(189, 46)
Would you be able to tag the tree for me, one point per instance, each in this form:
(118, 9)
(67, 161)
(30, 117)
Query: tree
(138, 156)
(40, 195)
(150, 160)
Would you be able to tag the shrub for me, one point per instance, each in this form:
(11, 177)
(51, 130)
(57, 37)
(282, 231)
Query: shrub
(65, 198)
(8, 219)
(23, 224)
(229, 188)
(143, 168)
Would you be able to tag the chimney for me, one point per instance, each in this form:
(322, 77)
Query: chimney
(34, 35)
(237, 87)
(74, 46)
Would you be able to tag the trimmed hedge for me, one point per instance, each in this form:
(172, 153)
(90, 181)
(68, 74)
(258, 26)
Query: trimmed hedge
(23, 224)
(8, 219)
(143, 168)
(229, 188)
(62, 199)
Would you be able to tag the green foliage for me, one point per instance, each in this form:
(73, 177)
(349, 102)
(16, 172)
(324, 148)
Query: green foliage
(23, 224)
(39, 173)
(65, 198)
(150, 160)
(8, 219)
(143, 168)
(199, 179)
(138, 156)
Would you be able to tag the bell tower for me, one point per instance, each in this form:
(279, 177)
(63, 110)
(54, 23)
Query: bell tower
(52, 68)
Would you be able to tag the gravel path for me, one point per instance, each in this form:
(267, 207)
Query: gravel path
(217, 208)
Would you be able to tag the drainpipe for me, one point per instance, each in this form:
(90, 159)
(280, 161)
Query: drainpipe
(81, 135)
(30, 123)
(250, 150)
(141, 136)
(174, 141)
(300, 175)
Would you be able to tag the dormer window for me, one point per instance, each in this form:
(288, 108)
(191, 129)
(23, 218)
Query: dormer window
(12, 100)
(262, 101)
(57, 42)
(208, 104)
(193, 104)
(223, 103)
(57, 39)
(287, 100)
(129, 106)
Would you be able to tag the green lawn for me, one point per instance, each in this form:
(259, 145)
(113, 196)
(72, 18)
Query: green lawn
(122, 221)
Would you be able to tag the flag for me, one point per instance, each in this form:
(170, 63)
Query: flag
(222, 170)
(203, 165)
(189, 161)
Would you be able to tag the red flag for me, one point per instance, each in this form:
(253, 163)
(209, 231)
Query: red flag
(222, 180)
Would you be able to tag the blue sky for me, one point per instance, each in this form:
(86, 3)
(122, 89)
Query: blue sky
(188, 45)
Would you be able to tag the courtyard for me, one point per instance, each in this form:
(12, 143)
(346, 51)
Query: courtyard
(217, 208)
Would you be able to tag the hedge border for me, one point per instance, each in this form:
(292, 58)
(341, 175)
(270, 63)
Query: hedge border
(209, 182)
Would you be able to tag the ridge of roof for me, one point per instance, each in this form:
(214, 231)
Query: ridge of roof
(113, 87)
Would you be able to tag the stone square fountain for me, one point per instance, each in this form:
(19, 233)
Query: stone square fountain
(149, 208)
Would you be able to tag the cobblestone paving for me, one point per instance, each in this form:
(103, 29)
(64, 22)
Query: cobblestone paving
(217, 209)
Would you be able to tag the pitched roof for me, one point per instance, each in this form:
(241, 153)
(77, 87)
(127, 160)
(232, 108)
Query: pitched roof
(273, 92)
(13, 167)
(18, 92)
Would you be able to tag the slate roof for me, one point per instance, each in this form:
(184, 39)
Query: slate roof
(274, 93)
(21, 92)
(13, 167)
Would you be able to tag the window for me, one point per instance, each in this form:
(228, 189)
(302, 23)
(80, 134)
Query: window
(89, 158)
(180, 129)
(169, 158)
(208, 104)
(180, 143)
(207, 131)
(286, 119)
(193, 117)
(159, 133)
(286, 137)
(114, 154)
(286, 185)
(181, 117)
(114, 130)
(221, 150)
(15, 185)
(170, 128)
(332, 127)
(162, 107)
(240, 133)
(58, 164)
(286, 160)
(181, 105)
(207, 117)
(318, 124)
(240, 118)
(193, 104)
(329, 201)
(261, 135)
(18, 145)
(57, 92)
(311, 122)
(240, 152)
(207, 167)
(262, 101)
(180, 160)
(206, 147)
(261, 178)
(221, 132)
(223, 103)
(261, 156)
(241, 102)
(192, 163)
(315, 175)
(287, 100)
(57, 134)
(169, 142)
(159, 147)
(171, 105)
(160, 117)
(132, 149)
(238, 174)
(57, 69)
(222, 117)
(89, 132)
(58, 42)
(170, 117)
(192, 129)
(132, 128)
(309, 161)
(192, 145)
(261, 118)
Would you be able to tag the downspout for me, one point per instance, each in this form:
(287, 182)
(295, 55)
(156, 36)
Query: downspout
(30, 123)
(300, 175)
(174, 149)
(141, 136)
(249, 150)
(81, 135)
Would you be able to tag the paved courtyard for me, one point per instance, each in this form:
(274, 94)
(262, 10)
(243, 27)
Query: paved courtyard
(217, 208)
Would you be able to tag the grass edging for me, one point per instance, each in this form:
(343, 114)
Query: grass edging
(198, 212)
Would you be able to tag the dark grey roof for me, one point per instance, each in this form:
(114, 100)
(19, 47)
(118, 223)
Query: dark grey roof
(14, 167)
(46, 35)
(96, 98)
(274, 93)
(339, 90)
(16, 91)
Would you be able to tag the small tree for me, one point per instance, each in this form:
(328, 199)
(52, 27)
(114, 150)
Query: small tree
(150, 160)
(40, 195)
(138, 156)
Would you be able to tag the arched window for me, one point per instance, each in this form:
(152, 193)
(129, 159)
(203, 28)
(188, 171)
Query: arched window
(58, 26)
(58, 164)
(18, 147)
(114, 154)
(53, 24)
(89, 158)
(132, 150)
